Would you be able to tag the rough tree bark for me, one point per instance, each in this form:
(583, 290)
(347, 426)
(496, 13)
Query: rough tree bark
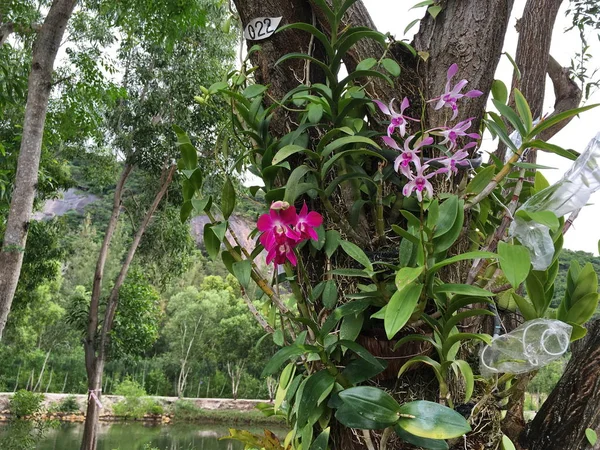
(573, 404)
(469, 33)
(96, 343)
(40, 83)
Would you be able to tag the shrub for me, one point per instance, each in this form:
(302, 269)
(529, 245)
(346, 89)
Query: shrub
(134, 404)
(186, 410)
(25, 403)
(68, 405)
(153, 407)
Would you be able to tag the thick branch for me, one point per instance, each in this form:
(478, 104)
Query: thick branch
(567, 93)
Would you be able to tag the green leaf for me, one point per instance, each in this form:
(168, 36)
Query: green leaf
(429, 444)
(584, 309)
(547, 218)
(400, 308)
(347, 140)
(553, 120)
(292, 186)
(515, 262)
(591, 436)
(359, 370)
(514, 64)
(467, 374)
(186, 210)
(407, 275)
(512, 116)
(432, 420)
(525, 306)
(330, 294)
(410, 25)
(507, 443)
(547, 147)
(499, 91)
(391, 66)
(372, 403)
(284, 354)
(462, 257)
(523, 109)
(434, 10)
(481, 180)
(320, 443)
(447, 216)
(228, 198)
(332, 241)
(353, 307)
(315, 112)
(203, 205)
(366, 64)
(356, 253)
(463, 289)
(242, 271)
(446, 240)
(453, 339)
(317, 387)
(285, 152)
(423, 3)
(254, 90)
(211, 242)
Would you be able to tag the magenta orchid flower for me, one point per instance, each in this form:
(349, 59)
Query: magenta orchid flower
(458, 130)
(419, 182)
(307, 222)
(397, 120)
(282, 252)
(452, 95)
(276, 226)
(283, 229)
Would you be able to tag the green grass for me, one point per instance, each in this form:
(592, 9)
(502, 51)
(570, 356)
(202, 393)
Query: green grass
(186, 411)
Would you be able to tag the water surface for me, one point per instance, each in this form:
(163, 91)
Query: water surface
(137, 436)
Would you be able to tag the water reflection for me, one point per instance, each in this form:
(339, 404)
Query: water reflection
(135, 436)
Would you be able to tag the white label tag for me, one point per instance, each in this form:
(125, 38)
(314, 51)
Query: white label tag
(261, 28)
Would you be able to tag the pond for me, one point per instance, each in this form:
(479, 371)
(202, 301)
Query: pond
(136, 436)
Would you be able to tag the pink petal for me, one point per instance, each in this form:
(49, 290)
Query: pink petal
(405, 104)
(394, 113)
(474, 93)
(289, 216)
(474, 135)
(303, 210)
(439, 104)
(390, 142)
(291, 256)
(314, 219)
(312, 233)
(452, 70)
(264, 222)
(390, 129)
(461, 84)
(383, 107)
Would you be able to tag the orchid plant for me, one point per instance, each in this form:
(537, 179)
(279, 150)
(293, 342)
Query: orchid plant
(358, 251)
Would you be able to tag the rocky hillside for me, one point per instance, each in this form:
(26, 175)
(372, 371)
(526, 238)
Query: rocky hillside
(74, 200)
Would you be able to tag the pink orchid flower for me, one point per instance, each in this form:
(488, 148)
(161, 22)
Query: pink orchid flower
(282, 252)
(397, 120)
(460, 158)
(458, 130)
(419, 182)
(307, 222)
(408, 155)
(452, 95)
(276, 226)
(283, 229)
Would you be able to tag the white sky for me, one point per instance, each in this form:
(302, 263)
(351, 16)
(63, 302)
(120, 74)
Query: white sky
(394, 16)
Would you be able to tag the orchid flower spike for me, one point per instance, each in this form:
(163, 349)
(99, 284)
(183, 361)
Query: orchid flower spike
(452, 95)
(396, 120)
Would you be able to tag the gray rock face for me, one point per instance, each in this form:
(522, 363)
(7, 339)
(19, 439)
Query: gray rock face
(71, 200)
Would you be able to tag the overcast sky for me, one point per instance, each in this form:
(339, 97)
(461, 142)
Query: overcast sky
(394, 16)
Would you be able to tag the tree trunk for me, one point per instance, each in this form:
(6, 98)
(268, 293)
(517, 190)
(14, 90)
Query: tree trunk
(96, 347)
(573, 405)
(40, 83)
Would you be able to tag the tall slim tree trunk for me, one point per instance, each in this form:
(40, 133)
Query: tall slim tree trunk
(40, 83)
(96, 347)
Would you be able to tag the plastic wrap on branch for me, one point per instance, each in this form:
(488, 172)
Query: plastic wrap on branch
(571, 193)
(530, 346)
